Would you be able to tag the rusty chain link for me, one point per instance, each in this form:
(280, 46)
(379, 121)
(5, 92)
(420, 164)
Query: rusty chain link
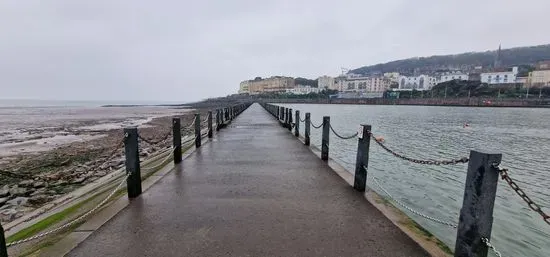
(532, 205)
(343, 137)
(426, 162)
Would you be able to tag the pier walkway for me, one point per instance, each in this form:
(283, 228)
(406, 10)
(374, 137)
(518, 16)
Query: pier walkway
(254, 190)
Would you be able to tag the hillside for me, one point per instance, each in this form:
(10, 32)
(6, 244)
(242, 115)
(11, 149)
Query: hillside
(521, 56)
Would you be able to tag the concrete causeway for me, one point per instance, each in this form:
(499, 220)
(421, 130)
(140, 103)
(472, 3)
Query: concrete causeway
(255, 190)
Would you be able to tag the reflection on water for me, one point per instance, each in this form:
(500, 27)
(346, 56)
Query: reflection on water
(426, 132)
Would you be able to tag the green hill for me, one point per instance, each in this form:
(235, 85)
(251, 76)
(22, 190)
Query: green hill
(520, 56)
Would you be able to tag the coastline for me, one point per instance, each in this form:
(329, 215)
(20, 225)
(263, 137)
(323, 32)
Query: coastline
(33, 178)
(450, 102)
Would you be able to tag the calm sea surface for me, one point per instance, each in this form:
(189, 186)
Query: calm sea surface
(521, 135)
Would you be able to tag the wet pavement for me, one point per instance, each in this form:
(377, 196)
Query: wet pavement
(253, 191)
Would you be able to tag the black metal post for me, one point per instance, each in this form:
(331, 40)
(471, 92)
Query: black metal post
(176, 133)
(217, 119)
(324, 141)
(131, 149)
(289, 119)
(210, 132)
(362, 161)
(297, 126)
(307, 128)
(197, 130)
(476, 214)
(3, 247)
(285, 111)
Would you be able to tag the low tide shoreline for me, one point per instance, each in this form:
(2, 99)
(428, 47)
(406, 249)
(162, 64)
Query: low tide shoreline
(33, 178)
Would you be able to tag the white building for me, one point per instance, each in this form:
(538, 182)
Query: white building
(364, 84)
(452, 76)
(392, 76)
(326, 82)
(422, 82)
(500, 77)
(303, 90)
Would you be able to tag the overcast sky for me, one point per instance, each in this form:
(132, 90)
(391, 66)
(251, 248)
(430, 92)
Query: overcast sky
(189, 50)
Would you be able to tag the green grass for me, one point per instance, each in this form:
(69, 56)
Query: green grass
(429, 236)
(60, 216)
(47, 222)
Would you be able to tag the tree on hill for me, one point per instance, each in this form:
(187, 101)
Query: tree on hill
(509, 57)
(306, 82)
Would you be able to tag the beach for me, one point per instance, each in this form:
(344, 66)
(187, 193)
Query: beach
(48, 151)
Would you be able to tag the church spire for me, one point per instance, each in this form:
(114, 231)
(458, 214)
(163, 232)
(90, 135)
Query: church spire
(498, 60)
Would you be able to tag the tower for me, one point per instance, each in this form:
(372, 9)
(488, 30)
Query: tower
(498, 60)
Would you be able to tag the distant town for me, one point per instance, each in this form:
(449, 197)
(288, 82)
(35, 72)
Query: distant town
(495, 78)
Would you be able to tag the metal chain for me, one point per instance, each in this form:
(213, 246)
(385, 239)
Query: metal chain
(427, 162)
(73, 221)
(534, 206)
(486, 241)
(190, 125)
(313, 125)
(162, 163)
(450, 224)
(188, 141)
(304, 120)
(343, 137)
(151, 142)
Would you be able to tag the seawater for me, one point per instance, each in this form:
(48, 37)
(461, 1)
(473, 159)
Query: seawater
(522, 135)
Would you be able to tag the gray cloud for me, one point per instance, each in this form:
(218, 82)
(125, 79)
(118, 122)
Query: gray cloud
(189, 50)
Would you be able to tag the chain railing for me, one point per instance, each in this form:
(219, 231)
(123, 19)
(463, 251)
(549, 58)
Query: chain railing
(151, 142)
(161, 163)
(190, 126)
(450, 224)
(343, 137)
(532, 205)
(162, 158)
(73, 222)
(304, 120)
(427, 162)
(476, 161)
(491, 246)
(317, 127)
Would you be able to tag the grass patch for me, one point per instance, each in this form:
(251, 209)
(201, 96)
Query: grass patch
(427, 235)
(47, 222)
(60, 216)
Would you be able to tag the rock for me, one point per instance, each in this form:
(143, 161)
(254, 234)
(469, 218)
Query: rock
(51, 192)
(18, 191)
(8, 215)
(80, 170)
(84, 166)
(39, 191)
(79, 180)
(39, 184)
(39, 199)
(26, 183)
(5, 191)
(101, 173)
(60, 183)
(3, 200)
(18, 201)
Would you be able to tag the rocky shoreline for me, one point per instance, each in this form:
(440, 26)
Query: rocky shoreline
(31, 180)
